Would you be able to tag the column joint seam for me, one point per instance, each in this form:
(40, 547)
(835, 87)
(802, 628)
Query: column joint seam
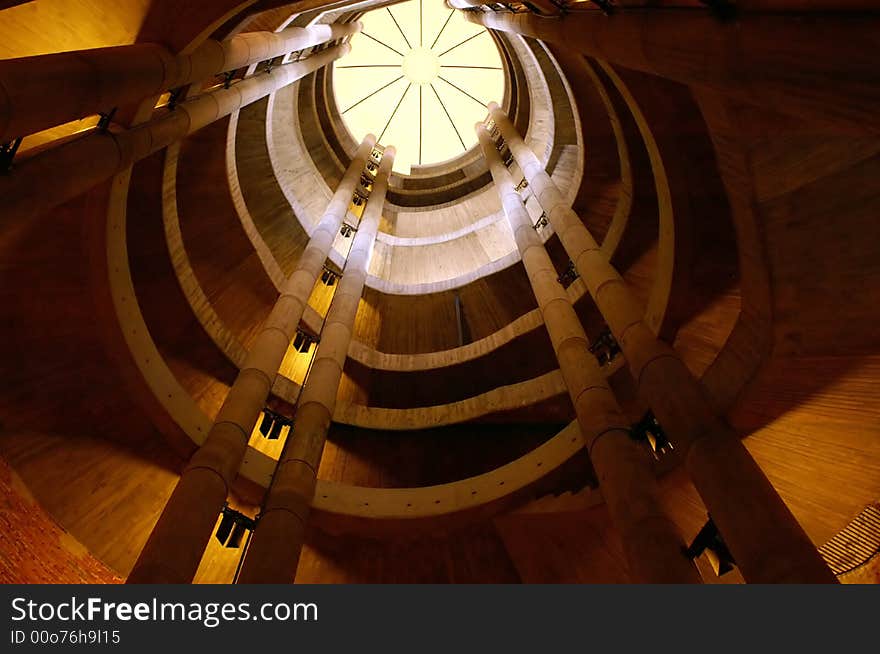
(605, 432)
(298, 460)
(269, 380)
(190, 468)
(665, 355)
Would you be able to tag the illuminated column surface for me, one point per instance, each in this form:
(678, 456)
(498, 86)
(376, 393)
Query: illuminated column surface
(765, 539)
(177, 543)
(274, 550)
(108, 152)
(653, 545)
(44, 91)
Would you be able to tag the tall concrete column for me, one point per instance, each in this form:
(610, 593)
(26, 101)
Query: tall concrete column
(48, 90)
(61, 173)
(464, 4)
(653, 545)
(177, 543)
(764, 537)
(762, 58)
(544, 7)
(274, 550)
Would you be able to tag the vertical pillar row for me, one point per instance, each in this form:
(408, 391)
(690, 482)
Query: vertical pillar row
(109, 152)
(653, 545)
(274, 550)
(177, 542)
(764, 537)
(43, 91)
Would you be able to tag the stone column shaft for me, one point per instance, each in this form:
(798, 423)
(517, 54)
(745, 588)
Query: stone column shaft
(274, 550)
(768, 543)
(175, 547)
(40, 92)
(78, 165)
(767, 59)
(651, 540)
(464, 4)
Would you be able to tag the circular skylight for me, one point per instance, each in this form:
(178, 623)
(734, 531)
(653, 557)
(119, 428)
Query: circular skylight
(418, 76)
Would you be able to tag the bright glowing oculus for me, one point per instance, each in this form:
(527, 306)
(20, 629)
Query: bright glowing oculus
(419, 76)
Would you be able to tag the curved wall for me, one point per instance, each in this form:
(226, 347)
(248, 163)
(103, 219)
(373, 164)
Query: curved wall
(783, 335)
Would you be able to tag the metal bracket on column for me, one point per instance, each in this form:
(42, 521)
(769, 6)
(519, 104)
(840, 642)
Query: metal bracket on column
(359, 199)
(269, 66)
(105, 120)
(605, 348)
(606, 6)
(723, 10)
(559, 4)
(367, 182)
(508, 160)
(568, 276)
(329, 276)
(347, 230)
(710, 541)
(232, 527)
(458, 320)
(228, 77)
(648, 430)
(174, 97)
(523, 183)
(272, 423)
(542, 221)
(7, 154)
(303, 341)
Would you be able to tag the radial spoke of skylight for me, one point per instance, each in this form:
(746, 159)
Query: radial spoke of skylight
(463, 92)
(468, 67)
(382, 43)
(397, 25)
(443, 29)
(372, 93)
(403, 48)
(459, 44)
(451, 122)
(396, 107)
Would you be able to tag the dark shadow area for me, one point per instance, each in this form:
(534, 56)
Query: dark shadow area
(56, 375)
(268, 206)
(475, 554)
(383, 459)
(197, 363)
(529, 356)
(221, 255)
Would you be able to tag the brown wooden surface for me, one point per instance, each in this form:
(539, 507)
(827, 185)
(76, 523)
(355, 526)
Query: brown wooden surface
(803, 200)
(222, 257)
(192, 356)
